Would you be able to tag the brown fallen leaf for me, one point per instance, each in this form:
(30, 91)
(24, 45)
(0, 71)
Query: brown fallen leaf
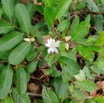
(45, 38)
(93, 93)
(103, 86)
(33, 87)
(99, 84)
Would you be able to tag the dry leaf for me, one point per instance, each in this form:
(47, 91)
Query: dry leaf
(45, 38)
(33, 88)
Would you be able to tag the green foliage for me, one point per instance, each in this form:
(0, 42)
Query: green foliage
(55, 45)
(49, 96)
(19, 53)
(6, 81)
(23, 18)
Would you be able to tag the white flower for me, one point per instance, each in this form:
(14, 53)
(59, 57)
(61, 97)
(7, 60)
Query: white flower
(52, 45)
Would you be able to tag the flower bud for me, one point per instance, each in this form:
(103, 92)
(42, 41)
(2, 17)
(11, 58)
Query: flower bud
(67, 46)
(32, 39)
(27, 39)
(67, 38)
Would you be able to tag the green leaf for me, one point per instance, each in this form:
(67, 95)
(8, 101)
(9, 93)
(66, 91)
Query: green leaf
(99, 99)
(63, 91)
(78, 93)
(80, 6)
(87, 85)
(63, 25)
(81, 31)
(20, 98)
(32, 66)
(50, 60)
(8, 6)
(9, 41)
(5, 81)
(1, 10)
(88, 73)
(19, 53)
(49, 96)
(23, 18)
(99, 23)
(62, 8)
(7, 100)
(32, 54)
(49, 16)
(5, 27)
(92, 5)
(70, 63)
(100, 40)
(21, 81)
(80, 76)
(38, 101)
(48, 3)
(86, 52)
(75, 23)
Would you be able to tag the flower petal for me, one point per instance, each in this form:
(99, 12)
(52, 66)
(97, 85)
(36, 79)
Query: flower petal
(57, 44)
(55, 49)
(47, 44)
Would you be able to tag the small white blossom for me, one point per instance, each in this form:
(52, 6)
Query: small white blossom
(52, 45)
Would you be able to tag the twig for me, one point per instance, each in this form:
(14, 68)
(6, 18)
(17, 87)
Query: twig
(34, 94)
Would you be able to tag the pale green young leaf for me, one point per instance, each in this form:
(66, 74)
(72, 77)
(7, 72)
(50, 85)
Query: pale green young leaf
(9, 41)
(5, 27)
(8, 6)
(62, 8)
(49, 16)
(21, 81)
(19, 53)
(5, 81)
(23, 18)
(80, 76)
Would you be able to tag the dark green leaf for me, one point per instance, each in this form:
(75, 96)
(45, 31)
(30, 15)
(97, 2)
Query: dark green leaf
(62, 8)
(5, 27)
(21, 81)
(81, 31)
(8, 6)
(5, 81)
(23, 18)
(19, 53)
(49, 16)
(9, 41)
(32, 66)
